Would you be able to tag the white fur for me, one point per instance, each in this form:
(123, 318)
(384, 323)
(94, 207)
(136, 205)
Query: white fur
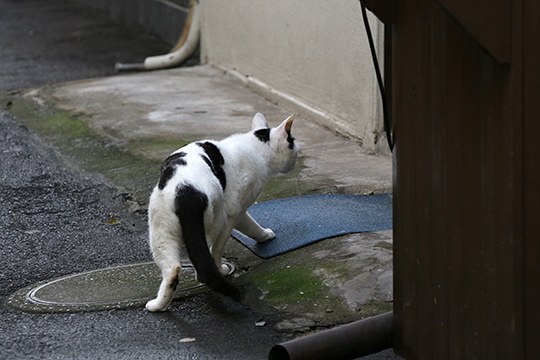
(249, 162)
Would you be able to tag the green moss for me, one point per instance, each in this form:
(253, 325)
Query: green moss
(71, 134)
(303, 287)
(291, 284)
(154, 148)
(297, 290)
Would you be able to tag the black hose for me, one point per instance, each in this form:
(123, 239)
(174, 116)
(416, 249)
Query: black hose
(386, 120)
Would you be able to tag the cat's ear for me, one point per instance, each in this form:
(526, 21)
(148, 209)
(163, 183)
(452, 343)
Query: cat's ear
(259, 122)
(285, 127)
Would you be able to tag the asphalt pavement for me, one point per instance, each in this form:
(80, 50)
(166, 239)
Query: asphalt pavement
(47, 42)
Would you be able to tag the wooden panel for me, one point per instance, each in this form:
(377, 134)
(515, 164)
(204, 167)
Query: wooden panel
(439, 180)
(488, 21)
(458, 192)
(403, 95)
(531, 100)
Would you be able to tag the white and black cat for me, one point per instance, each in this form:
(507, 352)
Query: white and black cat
(203, 193)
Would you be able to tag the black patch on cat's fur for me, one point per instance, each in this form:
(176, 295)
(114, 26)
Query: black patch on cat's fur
(215, 161)
(174, 283)
(290, 140)
(190, 205)
(169, 166)
(263, 135)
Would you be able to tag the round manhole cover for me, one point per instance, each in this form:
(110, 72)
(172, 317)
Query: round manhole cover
(109, 288)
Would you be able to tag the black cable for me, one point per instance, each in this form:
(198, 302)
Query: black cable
(386, 120)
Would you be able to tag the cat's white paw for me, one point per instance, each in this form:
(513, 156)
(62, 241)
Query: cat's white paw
(268, 235)
(155, 306)
(224, 269)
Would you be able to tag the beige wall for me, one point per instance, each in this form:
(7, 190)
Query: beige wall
(312, 55)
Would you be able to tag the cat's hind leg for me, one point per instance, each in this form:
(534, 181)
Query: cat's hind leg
(167, 256)
(170, 274)
(248, 226)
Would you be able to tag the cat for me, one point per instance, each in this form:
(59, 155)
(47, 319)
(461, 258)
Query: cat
(203, 193)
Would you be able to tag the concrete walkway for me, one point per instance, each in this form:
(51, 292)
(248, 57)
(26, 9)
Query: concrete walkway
(189, 103)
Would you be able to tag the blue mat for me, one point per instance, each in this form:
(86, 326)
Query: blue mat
(304, 220)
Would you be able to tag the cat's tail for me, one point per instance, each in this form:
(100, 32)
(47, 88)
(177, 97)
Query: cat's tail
(190, 205)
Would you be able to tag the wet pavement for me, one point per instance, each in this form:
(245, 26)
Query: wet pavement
(74, 200)
(46, 42)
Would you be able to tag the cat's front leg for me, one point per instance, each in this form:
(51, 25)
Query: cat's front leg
(248, 226)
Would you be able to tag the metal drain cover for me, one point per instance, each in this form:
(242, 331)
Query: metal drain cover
(116, 287)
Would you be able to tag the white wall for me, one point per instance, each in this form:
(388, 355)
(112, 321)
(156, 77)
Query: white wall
(309, 54)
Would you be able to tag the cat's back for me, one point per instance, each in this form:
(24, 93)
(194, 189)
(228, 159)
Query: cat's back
(195, 165)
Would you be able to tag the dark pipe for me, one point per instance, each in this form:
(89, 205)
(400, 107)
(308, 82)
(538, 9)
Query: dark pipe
(349, 341)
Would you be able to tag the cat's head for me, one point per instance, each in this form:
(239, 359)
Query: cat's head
(283, 148)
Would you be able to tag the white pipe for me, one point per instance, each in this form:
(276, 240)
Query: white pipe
(175, 57)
